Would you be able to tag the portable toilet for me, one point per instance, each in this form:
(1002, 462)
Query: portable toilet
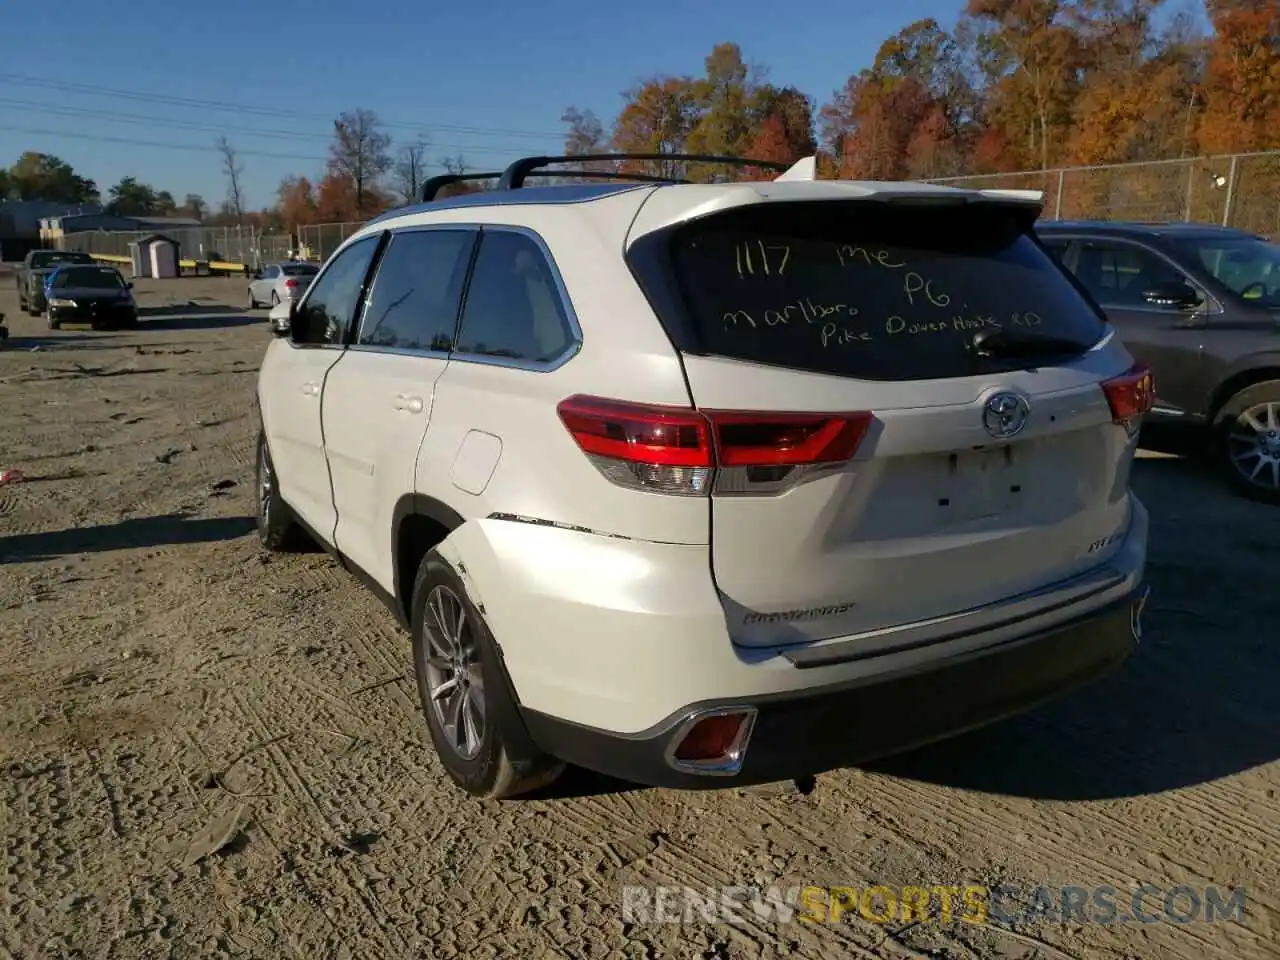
(139, 259)
(163, 254)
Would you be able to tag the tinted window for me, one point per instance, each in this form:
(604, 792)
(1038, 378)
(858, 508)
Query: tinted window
(513, 306)
(414, 304)
(1246, 266)
(270, 272)
(299, 270)
(879, 293)
(1117, 273)
(332, 300)
(87, 278)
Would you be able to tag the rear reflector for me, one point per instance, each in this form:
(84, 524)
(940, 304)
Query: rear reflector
(677, 449)
(715, 742)
(1131, 394)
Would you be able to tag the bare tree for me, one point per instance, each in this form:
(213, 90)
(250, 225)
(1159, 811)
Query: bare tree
(455, 165)
(234, 170)
(359, 154)
(410, 169)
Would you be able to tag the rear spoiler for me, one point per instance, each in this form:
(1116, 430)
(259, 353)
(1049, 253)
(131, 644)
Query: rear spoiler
(1031, 197)
(803, 169)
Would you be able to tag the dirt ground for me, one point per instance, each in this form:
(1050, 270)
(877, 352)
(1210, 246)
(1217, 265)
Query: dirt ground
(208, 752)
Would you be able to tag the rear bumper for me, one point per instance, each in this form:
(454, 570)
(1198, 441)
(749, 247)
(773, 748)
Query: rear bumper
(810, 731)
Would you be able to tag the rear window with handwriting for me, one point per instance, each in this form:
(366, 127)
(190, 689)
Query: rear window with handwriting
(878, 292)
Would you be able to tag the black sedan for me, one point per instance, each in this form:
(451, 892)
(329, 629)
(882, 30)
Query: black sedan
(96, 295)
(1200, 305)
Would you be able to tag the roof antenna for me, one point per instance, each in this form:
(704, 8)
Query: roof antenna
(806, 169)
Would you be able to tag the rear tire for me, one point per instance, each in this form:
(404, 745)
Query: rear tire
(464, 691)
(1247, 441)
(277, 530)
(275, 299)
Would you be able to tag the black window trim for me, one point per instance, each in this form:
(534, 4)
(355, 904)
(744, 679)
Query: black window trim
(380, 243)
(371, 284)
(572, 348)
(1213, 305)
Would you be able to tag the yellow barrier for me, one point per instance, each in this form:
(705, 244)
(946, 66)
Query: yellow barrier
(223, 266)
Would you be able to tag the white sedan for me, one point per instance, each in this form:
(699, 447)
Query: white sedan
(280, 283)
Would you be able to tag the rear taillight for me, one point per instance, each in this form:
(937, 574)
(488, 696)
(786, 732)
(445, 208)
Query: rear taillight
(679, 450)
(291, 284)
(1130, 395)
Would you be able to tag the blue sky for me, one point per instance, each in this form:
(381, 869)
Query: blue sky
(489, 81)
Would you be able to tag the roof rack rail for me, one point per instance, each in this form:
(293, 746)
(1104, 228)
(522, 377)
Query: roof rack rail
(514, 176)
(611, 175)
(434, 185)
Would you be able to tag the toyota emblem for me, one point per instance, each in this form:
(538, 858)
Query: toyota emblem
(1005, 414)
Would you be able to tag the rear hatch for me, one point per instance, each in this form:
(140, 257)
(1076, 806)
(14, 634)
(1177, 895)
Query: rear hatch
(950, 442)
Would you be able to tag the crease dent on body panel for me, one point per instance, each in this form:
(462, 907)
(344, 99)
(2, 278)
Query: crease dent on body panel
(448, 549)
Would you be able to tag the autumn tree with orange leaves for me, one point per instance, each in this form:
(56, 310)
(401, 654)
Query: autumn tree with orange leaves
(1242, 81)
(1009, 85)
(1012, 85)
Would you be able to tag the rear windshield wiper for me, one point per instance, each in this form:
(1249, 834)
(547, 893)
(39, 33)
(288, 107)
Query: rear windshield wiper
(1011, 343)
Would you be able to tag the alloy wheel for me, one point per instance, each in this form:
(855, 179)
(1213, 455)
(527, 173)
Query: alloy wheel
(266, 485)
(1253, 444)
(455, 685)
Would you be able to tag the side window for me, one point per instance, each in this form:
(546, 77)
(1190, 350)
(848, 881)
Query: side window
(1056, 246)
(513, 307)
(331, 302)
(270, 273)
(1118, 274)
(416, 293)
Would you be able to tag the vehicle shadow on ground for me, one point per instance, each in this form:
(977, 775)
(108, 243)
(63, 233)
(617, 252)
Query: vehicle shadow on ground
(577, 783)
(168, 530)
(1195, 703)
(195, 318)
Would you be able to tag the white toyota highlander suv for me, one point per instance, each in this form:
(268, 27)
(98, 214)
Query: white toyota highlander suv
(707, 484)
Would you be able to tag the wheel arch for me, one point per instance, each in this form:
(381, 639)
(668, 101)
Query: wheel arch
(418, 524)
(1259, 370)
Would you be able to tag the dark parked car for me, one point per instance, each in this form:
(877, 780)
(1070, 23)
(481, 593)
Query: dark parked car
(95, 295)
(1201, 306)
(34, 271)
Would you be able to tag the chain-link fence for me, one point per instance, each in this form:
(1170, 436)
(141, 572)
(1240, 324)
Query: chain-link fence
(229, 244)
(319, 240)
(1239, 191)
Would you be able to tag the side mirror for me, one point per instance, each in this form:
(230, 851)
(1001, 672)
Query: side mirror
(129, 284)
(1175, 295)
(296, 332)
